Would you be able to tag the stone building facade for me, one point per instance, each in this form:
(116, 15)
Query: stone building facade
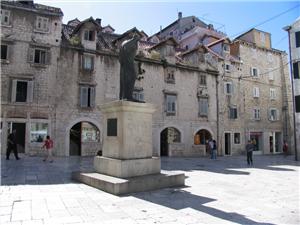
(253, 88)
(294, 48)
(55, 77)
(30, 46)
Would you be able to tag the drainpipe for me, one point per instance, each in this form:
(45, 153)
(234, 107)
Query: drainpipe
(217, 97)
(293, 93)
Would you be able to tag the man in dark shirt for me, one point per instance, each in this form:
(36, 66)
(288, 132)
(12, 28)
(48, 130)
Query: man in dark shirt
(249, 150)
(12, 145)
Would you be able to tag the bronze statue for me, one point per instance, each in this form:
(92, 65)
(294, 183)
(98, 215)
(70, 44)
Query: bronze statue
(128, 68)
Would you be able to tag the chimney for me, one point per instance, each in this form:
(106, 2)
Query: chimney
(98, 21)
(210, 27)
(179, 15)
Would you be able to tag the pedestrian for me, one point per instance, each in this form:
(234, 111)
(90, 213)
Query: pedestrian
(285, 148)
(249, 150)
(12, 145)
(48, 144)
(211, 147)
(214, 151)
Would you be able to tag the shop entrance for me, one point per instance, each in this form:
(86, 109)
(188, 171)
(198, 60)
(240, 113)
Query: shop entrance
(20, 134)
(227, 143)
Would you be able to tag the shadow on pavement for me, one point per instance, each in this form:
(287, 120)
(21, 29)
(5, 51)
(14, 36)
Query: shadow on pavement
(180, 199)
(230, 165)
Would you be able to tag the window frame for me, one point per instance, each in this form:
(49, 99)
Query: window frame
(230, 88)
(296, 70)
(138, 94)
(89, 35)
(29, 91)
(6, 59)
(253, 74)
(272, 93)
(239, 138)
(276, 118)
(8, 16)
(83, 65)
(202, 80)
(87, 100)
(255, 92)
(170, 112)
(233, 109)
(30, 132)
(44, 21)
(32, 55)
(256, 113)
(297, 39)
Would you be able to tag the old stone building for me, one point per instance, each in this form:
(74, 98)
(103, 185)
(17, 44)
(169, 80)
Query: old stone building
(253, 88)
(55, 77)
(79, 70)
(294, 48)
(30, 46)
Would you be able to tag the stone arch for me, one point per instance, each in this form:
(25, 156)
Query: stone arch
(169, 135)
(74, 122)
(202, 135)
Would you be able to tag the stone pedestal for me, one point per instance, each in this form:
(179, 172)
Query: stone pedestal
(126, 164)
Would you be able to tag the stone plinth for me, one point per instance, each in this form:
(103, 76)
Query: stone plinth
(126, 164)
(134, 130)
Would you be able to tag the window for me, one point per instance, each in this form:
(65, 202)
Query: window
(170, 77)
(22, 91)
(232, 112)
(256, 92)
(228, 88)
(272, 93)
(171, 104)
(89, 35)
(88, 63)
(237, 138)
(297, 38)
(297, 103)
(38, 132)
(4, 52)
(39, 56)
(256, 114)
(254, 72)
(87, 97)
(296, 70)
(226, 48)
(203, 80)
(203, 106)
(5, 14)
(138, 94)
(42, 24)
(227, 67)
(273, 114)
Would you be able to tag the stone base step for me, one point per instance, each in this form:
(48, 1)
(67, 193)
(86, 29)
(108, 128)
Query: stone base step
(119, 186)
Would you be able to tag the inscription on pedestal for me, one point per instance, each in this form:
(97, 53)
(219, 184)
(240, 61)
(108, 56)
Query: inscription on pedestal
(112, 127)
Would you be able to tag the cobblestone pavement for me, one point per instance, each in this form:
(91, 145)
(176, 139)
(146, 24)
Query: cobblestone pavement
(222, 191)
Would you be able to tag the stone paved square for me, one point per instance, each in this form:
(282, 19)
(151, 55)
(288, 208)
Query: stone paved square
(222, 191)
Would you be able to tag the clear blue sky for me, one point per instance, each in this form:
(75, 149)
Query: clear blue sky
(231, 17)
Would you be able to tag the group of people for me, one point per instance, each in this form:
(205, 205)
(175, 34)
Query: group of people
(12, 146)
(212, 144)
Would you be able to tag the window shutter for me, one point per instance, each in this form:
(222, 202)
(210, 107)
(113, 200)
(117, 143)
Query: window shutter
(29, 91)
(92, 66)
(82, 62)
(231, 88)
(30, 57)
(92, 96)
(296, 70)
(13, 90)
(251, 71)
(83, 96)
(48, 57)
(277, 114)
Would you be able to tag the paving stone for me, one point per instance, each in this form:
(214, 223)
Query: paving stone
(225, 191)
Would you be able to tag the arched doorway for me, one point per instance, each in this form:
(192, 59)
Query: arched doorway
(84, 139)
(202, 137)
(168, 136)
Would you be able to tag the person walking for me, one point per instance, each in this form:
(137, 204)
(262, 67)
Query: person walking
(249, 150)
(48, 144)
(211, 147)
(214, 150)
(285, 148)
(12, 145)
